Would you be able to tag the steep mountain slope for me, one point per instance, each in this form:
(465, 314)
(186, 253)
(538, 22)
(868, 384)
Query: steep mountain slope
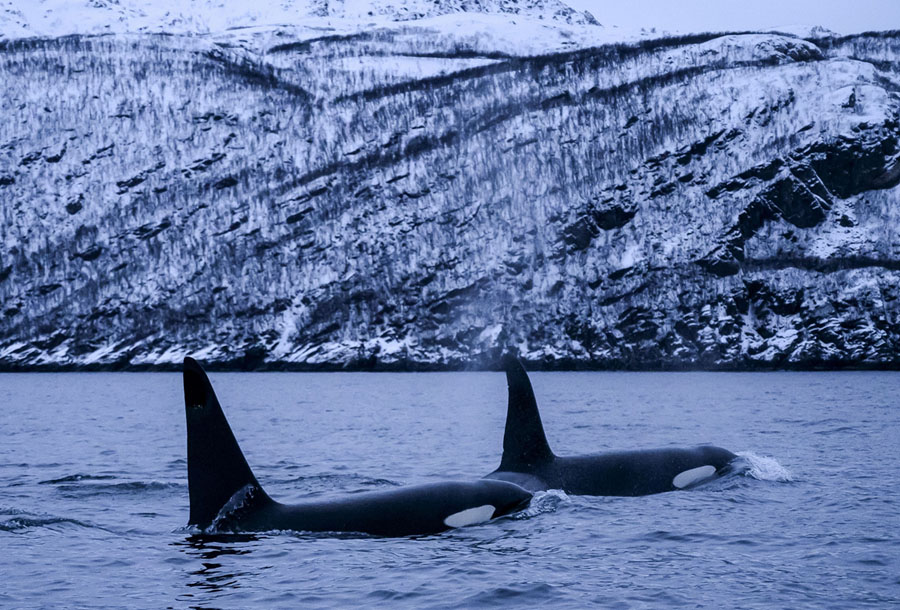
(409, 196)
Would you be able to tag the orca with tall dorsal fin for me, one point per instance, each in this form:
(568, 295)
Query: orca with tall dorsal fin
(225, 495)
(528, 461)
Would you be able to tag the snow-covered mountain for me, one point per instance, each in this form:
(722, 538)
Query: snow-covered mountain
(65, 17)
(424, 193)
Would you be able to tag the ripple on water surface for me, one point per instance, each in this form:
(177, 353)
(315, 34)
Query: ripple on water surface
(808, 520)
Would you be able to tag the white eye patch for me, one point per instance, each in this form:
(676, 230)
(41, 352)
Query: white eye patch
(694, 475)
(470, 516)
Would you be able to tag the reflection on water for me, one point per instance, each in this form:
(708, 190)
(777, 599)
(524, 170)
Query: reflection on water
(211, 576)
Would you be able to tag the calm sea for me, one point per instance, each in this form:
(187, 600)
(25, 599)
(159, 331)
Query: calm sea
(93, 492)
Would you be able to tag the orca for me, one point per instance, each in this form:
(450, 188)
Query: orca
(225, 496)
(528, 461)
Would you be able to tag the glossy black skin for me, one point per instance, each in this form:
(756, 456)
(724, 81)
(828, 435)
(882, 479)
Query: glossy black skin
(218, 475)
(617, 473)
(528, 461)
(405, 511)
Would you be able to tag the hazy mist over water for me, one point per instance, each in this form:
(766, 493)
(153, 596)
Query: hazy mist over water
(93, 492)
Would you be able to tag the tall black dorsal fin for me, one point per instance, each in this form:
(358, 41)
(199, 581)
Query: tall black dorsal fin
(216, 467)
(524, 443)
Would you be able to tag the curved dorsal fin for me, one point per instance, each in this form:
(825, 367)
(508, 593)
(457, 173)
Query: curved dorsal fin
(216, 467)
(524, 443)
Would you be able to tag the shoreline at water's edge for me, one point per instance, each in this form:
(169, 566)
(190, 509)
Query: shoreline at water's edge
(238, 365)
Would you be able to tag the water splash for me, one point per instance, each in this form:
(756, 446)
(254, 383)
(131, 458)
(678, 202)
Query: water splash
(234, 509)
(544, 502)
(764, 468)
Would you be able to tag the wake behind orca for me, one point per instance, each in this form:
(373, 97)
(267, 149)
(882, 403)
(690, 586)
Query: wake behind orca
(528, 461)
(225, 494)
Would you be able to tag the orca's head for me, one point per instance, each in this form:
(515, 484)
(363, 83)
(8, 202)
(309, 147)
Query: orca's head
(507, 497)
(488, 499)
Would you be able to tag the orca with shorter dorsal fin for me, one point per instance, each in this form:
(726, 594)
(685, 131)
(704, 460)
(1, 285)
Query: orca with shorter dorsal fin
(225, 496)
(528, 461)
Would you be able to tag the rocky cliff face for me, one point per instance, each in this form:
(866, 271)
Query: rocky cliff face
(418, 195)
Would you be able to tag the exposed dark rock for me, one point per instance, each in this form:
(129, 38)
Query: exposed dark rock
(697, 149)
(595, 218)
(201, 165)
(130, 182)
(150, 230)
(56, 158)
(90, 254)
(75, 206)
(850, 166)
(795, 202)
(637, 324)
(55, 340)
(721, 262)
(225, 183)
(298, 216)
(666, 189)
(851, 101)
(30, 158)
(48, 288)
(846, 221)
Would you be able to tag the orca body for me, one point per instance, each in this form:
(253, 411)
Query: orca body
(528, 461)
(225, 494)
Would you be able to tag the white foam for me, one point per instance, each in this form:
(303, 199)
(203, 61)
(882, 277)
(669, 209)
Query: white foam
(232, 509)
(692, 476)
(766, 468)
(543, 502)
(470, 516)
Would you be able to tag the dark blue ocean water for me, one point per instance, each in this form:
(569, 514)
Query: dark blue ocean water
(93, 494)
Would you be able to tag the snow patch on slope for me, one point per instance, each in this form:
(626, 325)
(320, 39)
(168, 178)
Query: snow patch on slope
(62, 17)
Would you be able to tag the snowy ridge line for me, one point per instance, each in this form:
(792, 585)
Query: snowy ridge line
(62, 17)
(607, 54)
(830, 41)
(461, 54)
(511, 111)
(246, 66)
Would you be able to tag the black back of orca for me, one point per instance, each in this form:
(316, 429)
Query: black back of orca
(529, 462)
(224, 492)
